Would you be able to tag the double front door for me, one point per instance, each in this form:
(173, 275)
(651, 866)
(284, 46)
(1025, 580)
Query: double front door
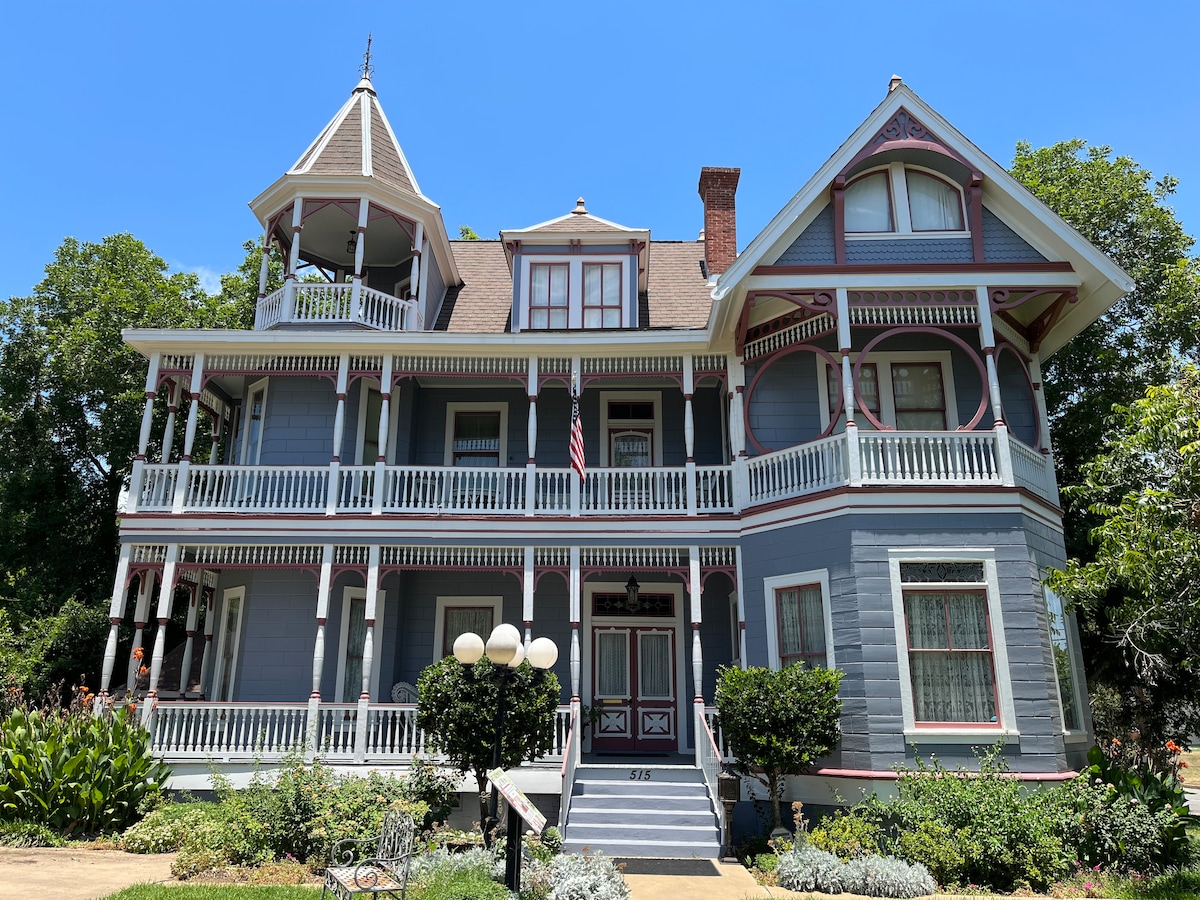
(633, 689)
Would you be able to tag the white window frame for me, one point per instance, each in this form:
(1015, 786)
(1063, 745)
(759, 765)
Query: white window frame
(366, 385)
(1005, 728)
(901, 217)
(357, 593)
(240, 593)
(773, 583)
(887, 397)
(452, 410)
(1072, 639)
(575, 264)
(262, 384)
(439, 625)
(607, 424)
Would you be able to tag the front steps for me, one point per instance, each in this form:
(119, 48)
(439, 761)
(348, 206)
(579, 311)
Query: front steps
(632, 810)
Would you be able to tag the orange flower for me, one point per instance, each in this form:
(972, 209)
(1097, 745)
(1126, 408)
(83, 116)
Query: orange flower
(1116, 743)
(88, 698)
(1183, 764)
(132, 707)
(142, 670)
(138, 653)
(1173, 747)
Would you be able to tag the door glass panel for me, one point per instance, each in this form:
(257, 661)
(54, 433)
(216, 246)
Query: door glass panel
(356, 635)
(654, 666)
(233, 618)
(630, 449)
(612, 664)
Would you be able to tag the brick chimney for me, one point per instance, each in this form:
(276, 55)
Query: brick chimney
(718, 185)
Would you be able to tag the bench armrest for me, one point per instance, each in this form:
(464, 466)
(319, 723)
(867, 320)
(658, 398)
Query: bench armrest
(345, 857)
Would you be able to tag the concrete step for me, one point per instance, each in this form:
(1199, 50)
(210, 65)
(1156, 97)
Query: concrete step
(585, 787)
(652, 848)
(634, 802)
(637, 818)
(639, 774)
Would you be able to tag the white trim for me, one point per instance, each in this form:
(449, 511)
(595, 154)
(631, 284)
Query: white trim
(575, 264)
(229, 593)
(452, 409)
(366, 385)
(771, 584)
(587, 647)
(1006, 711)
(262, 384)
(887, 398)
(1072, 643)
(364, 111)
(439, 625)
(357, 593)
(606, 424)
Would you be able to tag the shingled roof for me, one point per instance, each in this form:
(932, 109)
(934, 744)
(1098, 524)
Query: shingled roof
(359, 141)
(677, 294)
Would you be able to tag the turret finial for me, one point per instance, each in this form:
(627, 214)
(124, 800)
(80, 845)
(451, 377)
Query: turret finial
(366, 68)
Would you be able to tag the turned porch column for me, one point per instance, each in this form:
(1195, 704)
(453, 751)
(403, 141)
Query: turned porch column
(324, 586)
(360, 242)
(737, 433)
(385, 418)
(137, 476)
(368, 653)
(576, 590)
(339, 427)
(1039, 399)
(689, 432)
(531, 462)
(741, 606)
(695, 591)
(289, 278)
(116, 612)
(189, 437)
(206, 653)
(264, 267)
(166, 598)
(168, 442)
(527, 583)
(141, 615)
(412, 320)
(987, 338)
(849, 395)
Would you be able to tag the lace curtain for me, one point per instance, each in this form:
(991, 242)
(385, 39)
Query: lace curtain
(933, 204)
(612, 666)
(950, 657)
(654, 666)
(460, 620)
(801, 625)
(868, 207)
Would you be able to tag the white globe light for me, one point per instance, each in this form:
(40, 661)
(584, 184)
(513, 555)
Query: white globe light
(502, 645)
(468, 648)
(543, 653)
(519, 658)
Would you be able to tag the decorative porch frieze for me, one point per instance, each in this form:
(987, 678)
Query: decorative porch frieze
(512, 366)
(252, 555)
(801, 329)
(424, 557)
(254, 363)
(631, 365)
(608, 558)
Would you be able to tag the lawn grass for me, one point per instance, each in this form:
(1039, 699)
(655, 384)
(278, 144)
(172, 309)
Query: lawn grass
(213, 892)
(1191, 775)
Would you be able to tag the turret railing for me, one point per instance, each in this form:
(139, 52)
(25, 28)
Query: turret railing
(323, 303)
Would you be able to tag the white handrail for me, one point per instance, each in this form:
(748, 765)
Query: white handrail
(1033, 470)
(799, 470)
(197, 730)
(708, 758)
(571, 754)
(327, 303)
(938, 457)
(257, 488)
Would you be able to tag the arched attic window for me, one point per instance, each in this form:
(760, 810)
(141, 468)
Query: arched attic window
(903, 199)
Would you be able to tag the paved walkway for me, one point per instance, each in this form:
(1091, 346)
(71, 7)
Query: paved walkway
(734, 883)
(70, 873)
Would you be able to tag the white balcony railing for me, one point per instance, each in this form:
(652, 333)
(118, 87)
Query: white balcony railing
(188, 730)
(325, 304)
(972, 458)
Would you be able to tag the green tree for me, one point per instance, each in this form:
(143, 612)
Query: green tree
(1122, 209)
(71, 399)
(456, 708)
(778, 722)
(1141, 589)
(467, 233)
(239, 290)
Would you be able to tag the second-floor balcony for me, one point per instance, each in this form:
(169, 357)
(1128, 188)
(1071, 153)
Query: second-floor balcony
(870, 458)
(322, 303)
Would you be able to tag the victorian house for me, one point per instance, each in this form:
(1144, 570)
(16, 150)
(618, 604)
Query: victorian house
(831, 447)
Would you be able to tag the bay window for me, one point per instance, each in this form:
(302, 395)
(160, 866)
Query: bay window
(799, 627)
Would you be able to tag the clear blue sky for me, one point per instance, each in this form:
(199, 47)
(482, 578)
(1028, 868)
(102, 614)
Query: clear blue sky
(165, 119)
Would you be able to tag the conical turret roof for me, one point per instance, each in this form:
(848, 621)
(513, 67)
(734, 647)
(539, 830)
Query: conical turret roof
(359, 141)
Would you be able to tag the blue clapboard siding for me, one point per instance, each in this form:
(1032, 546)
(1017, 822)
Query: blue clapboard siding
(298, 426)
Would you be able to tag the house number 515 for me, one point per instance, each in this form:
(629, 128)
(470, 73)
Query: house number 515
(639, 774)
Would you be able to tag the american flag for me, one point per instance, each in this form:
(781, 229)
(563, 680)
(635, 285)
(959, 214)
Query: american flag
(577, 461)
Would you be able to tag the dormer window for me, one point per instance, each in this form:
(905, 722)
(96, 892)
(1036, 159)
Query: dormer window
(602, 295)
(578, 292)
(902, 200)
(548, 295)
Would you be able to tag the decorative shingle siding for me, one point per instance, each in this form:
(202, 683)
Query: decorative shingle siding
(814, 247)
(910, 250)
(1002, 244)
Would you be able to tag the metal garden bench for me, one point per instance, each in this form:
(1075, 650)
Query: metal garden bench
(384, 873)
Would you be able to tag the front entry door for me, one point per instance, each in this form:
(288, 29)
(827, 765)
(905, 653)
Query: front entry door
(633, 686)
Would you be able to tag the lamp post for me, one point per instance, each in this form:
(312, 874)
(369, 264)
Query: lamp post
(506, 653)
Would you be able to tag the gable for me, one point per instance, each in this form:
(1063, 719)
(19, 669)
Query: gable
(1002, 244)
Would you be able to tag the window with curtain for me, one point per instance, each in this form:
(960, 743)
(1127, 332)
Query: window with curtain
(801, 617)
(370, 443)
(933, 204)
(1064, 665)
(477, 439)
(868, 204)
(868, 389)
(548, 295)
(919, 396)
(602, 295)
(950, 656)
(612, 664)
(460, 620)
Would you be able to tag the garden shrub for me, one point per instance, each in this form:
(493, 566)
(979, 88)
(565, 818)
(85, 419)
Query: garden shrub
(28, 834)
(551, 839)
(73, 771)
(766, 862)
(459, 884)
(845, 836)
(586, 877)
(437, 788)
(806, 868)
(225, 837)
(167, 828)
(886, 876)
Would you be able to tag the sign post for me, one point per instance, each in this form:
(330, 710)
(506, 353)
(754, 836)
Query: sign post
(519, 807)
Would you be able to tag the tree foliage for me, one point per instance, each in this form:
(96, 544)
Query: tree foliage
(1141, 591)
(778, 722)
(457, 710)
(1123, 210)
(71, 400)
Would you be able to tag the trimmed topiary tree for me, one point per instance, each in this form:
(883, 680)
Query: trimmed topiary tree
(778, 722)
